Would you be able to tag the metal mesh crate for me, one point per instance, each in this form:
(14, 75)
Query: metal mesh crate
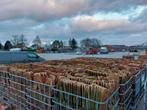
(39, 96)
(145, 95)
(12, 89)
(125, 95)
(31, 95)
(69, 101)
(138, 87)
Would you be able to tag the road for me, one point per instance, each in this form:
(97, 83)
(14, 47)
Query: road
(58, 56)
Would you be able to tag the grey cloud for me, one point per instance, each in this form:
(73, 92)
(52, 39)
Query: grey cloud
(142, 17)
(47, 31)
(78, 27)
(40, 9)
(89, 24)
(56, 9)
(45, 18)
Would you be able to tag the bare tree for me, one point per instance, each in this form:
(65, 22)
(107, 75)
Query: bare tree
(95, 42)
(15, 40)
(90, 43)
(19, 41)
(22, 40)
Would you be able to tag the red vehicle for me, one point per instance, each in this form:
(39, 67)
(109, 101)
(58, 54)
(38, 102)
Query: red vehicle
(3, 107)
(92, 51)
(40, 50)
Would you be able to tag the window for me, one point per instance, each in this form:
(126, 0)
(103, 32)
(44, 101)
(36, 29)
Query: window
(33, 55)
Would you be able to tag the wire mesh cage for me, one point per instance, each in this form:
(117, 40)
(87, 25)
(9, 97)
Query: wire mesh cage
(32, 95)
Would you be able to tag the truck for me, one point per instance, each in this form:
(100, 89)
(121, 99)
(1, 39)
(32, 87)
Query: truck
(92, 51)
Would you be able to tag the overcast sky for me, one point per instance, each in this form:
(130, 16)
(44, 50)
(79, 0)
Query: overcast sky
(111, 21)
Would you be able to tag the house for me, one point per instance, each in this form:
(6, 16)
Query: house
(137, 48)
(65, 49)
(120, 48)
(116, 48)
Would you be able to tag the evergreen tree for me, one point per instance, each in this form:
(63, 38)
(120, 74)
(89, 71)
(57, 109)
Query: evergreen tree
(8, 45)
(73, 43)
(1, 46)
(56, 45)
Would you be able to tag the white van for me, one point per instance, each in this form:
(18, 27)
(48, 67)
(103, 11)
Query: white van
(7, 57)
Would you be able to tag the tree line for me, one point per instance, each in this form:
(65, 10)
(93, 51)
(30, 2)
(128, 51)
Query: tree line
(20, 41)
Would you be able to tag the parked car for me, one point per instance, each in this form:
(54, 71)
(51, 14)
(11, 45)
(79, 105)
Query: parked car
(79, 53)
(104, 50)
(19, 57)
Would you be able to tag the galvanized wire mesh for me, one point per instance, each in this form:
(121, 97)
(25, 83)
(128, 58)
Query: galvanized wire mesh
(31, 95)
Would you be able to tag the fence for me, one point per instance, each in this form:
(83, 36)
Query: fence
(31, 95)
(138, 87)
(145, 94)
